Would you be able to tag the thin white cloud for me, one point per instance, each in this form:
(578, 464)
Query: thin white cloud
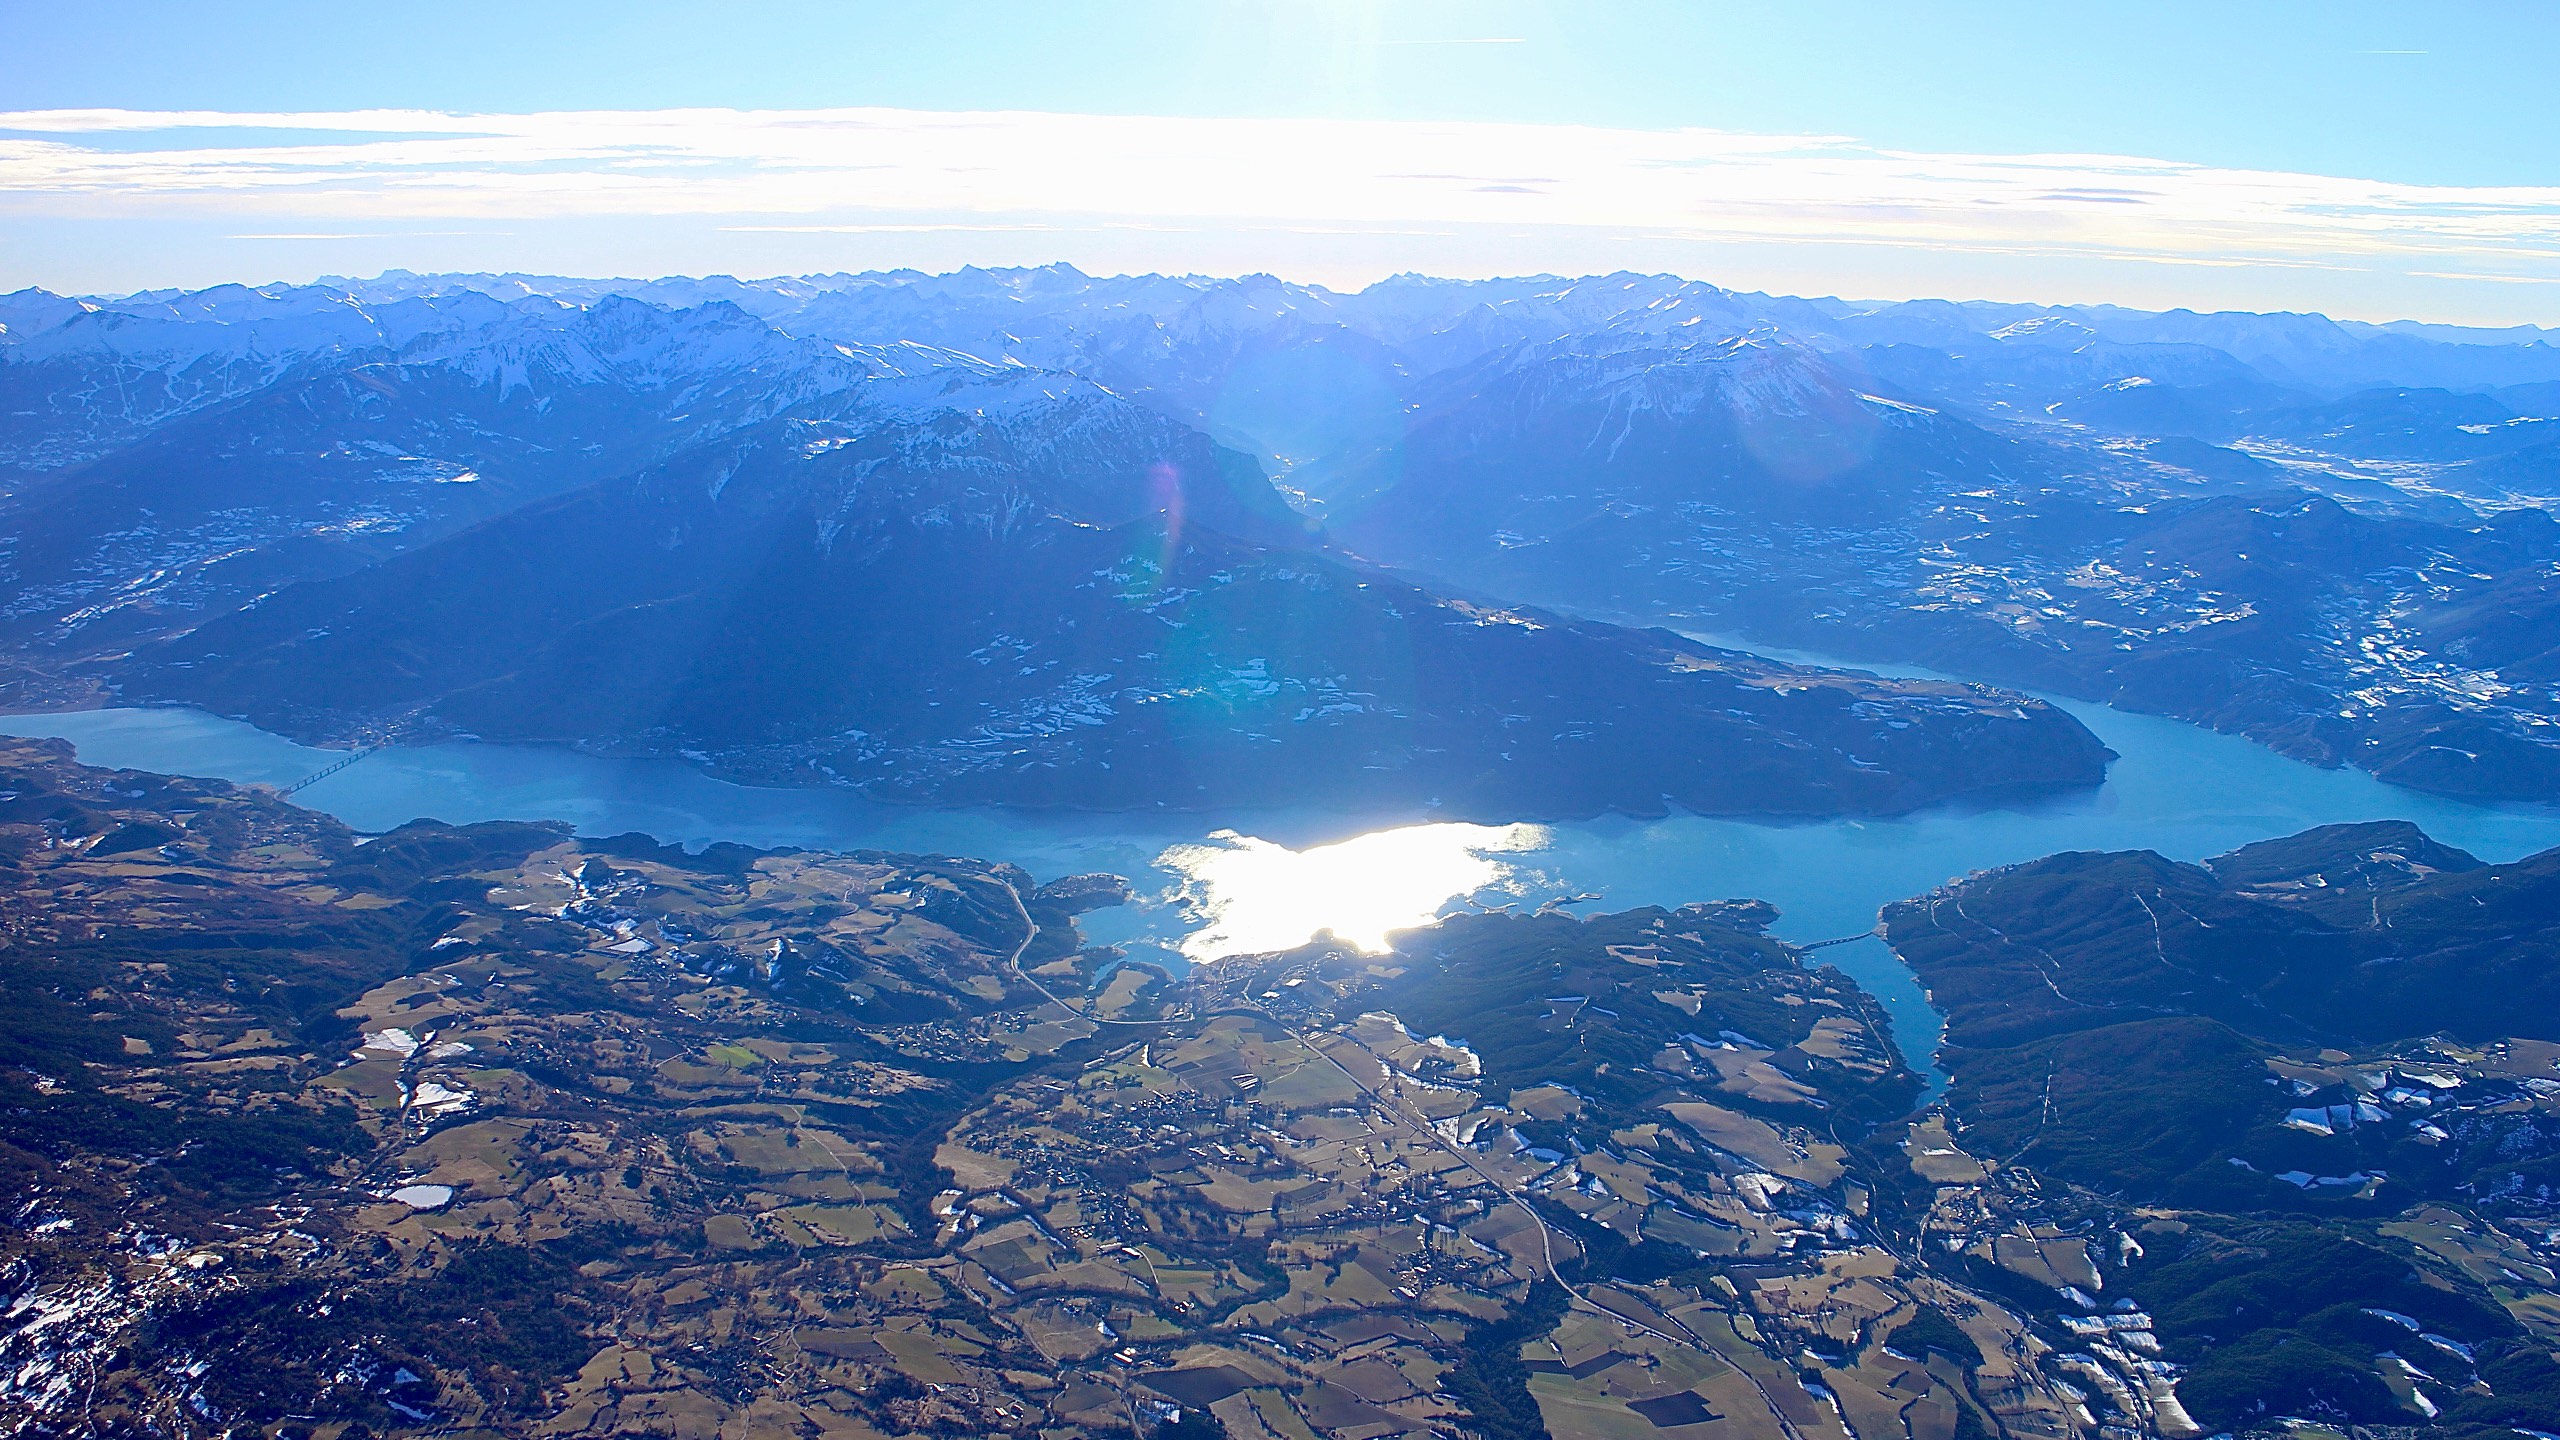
(75, 122)
(2492, 279)
(879, 229)
(884, 171)
(360, 235)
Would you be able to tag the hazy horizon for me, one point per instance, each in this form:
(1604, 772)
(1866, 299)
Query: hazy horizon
(1853, 302)
(2359, 161)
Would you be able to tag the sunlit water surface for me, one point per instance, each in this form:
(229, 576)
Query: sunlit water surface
(1247, 895)
(1236, 883)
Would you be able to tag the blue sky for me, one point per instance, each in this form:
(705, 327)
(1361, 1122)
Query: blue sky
(2371, 160)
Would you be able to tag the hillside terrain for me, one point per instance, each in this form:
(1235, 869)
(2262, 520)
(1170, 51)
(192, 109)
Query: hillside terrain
(2354, 1028)
(898, 568)
(1761, 486)
(2330, 537)
(931, 612)
(501, 1129)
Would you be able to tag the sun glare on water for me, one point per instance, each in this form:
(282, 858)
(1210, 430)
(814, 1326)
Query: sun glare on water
(1254, 895)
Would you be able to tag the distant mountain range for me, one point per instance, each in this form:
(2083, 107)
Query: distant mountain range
(1041, 537)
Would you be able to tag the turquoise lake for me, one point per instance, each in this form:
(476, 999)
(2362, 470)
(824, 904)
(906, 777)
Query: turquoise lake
(1223, 884)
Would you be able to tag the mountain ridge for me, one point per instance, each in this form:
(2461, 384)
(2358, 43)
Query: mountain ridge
(792, 603)
(2081, 499)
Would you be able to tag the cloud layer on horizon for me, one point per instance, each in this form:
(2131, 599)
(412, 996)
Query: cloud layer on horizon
(879, 171)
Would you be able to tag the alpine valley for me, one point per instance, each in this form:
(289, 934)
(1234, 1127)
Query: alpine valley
(481, 1126)
(2331, 538)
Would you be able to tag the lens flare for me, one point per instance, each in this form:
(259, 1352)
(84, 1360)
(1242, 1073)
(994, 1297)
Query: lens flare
(1164, 483)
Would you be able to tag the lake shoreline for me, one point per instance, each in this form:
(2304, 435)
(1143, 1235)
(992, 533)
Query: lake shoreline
(2177, 789)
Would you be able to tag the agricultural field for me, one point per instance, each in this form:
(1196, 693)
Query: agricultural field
(498, 1130)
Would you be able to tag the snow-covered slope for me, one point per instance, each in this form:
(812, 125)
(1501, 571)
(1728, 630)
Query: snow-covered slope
(186, 454)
